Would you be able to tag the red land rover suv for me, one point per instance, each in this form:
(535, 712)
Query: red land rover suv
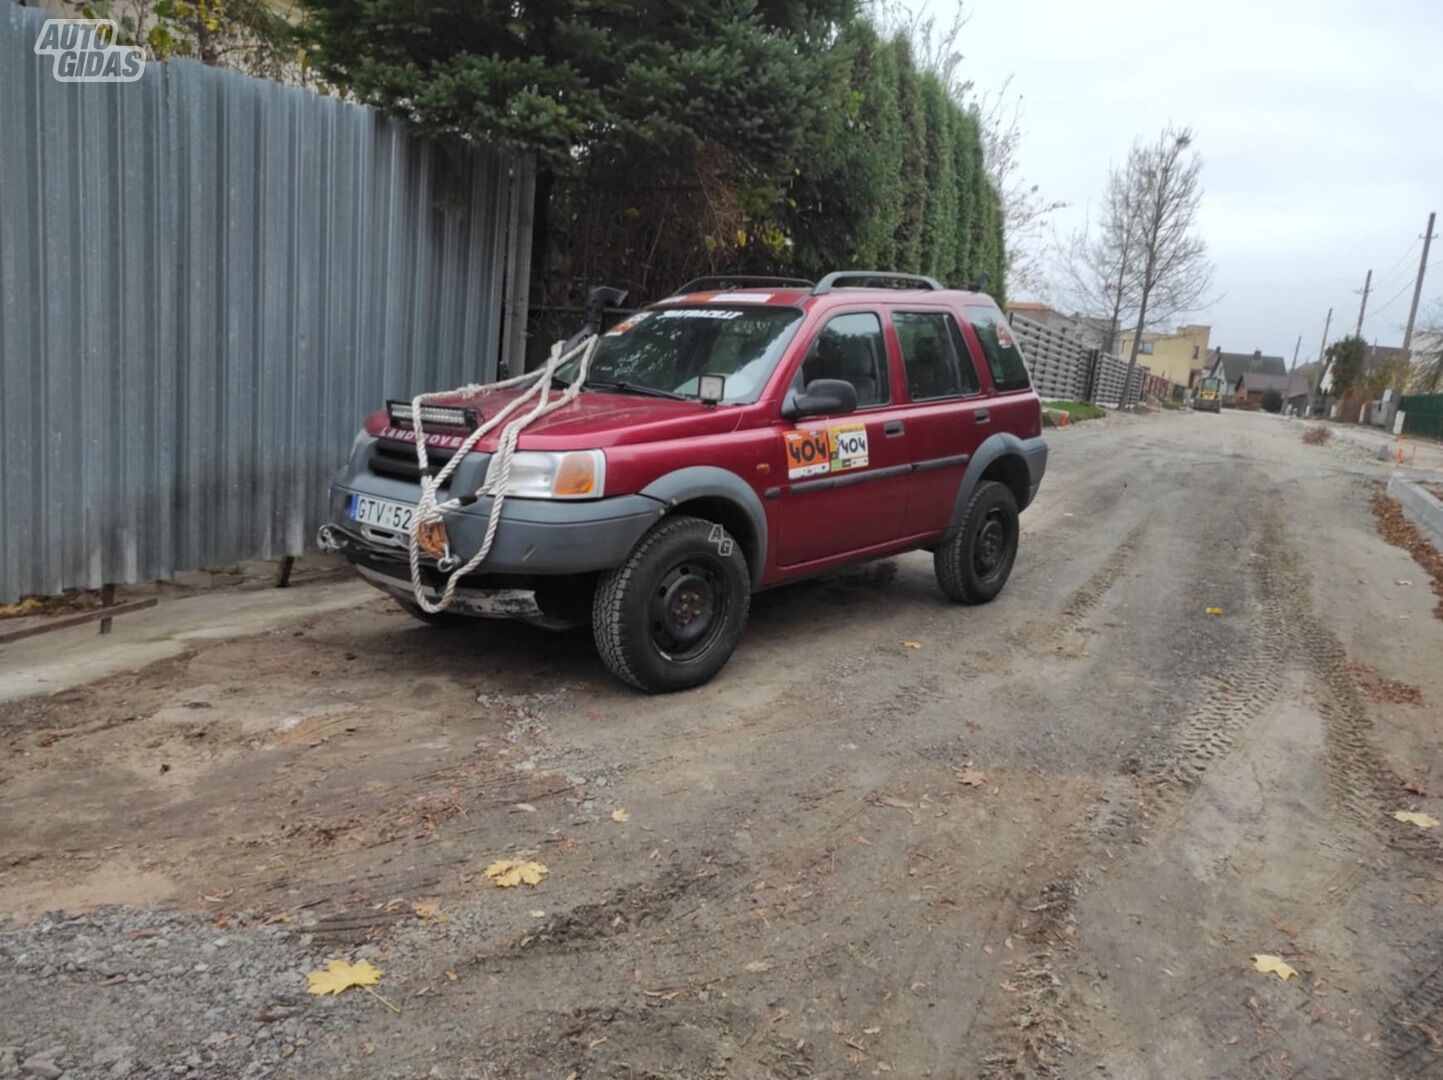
(863, 416)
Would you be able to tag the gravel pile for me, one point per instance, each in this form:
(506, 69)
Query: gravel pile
(120, 993)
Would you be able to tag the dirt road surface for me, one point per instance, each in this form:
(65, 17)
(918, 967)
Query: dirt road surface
(896, 837)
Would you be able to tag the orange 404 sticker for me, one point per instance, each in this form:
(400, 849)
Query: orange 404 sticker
(816, 451)
(809, 453)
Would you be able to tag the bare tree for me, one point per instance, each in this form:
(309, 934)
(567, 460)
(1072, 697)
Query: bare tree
(1426, 374)
(1098, 264)
(936, 47)
(1171, 268)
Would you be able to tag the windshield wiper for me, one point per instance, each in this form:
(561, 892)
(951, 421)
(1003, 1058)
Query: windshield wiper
(633, 388)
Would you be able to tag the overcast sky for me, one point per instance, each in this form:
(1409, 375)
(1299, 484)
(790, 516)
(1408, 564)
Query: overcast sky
(1321, 126)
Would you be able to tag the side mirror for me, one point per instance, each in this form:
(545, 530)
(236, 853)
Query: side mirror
(822, 397)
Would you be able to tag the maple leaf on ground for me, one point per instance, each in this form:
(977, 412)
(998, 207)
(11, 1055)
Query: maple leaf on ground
(506, 873)
(1273, 965)
(1423, 821)
(340, 975)
(971, 777)
(620, 815)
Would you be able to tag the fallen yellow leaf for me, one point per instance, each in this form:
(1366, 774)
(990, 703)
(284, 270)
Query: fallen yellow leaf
(971, 777)
(428, 910)
(1273, 965)
(620, 815)
(1423, 821)
(508, 872)
(1215, 611)
(911, 644)
(340, 975)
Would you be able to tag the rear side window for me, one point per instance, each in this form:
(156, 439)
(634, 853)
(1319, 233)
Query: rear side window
(851, 348)
(1004, 359)
(934, 355)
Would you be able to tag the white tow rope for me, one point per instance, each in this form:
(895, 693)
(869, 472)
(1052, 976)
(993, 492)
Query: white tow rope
(498, 474)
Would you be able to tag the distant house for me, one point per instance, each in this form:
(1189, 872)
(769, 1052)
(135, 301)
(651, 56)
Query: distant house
(1298, 395)
(1231, 367)
(1176, 356)
(1252, 385)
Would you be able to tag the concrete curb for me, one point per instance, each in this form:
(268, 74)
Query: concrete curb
(1423, 508)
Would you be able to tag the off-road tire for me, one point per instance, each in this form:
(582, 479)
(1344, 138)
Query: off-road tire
(623, 608)
(956, 562)
(439, 619)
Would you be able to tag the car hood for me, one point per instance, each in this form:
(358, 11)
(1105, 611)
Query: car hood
(595, 420)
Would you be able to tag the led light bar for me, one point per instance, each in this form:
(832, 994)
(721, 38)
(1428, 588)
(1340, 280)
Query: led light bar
(450, 416)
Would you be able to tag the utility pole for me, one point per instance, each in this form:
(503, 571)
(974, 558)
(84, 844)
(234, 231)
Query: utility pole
(1367, 288)
(1322, 360)
(1288, 384)
(1418, 287)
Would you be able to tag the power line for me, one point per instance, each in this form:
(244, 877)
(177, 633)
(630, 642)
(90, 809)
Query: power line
(1384, 307)
(1401, 260)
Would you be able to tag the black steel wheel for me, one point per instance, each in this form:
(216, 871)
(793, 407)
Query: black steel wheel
(973, 565)
(669, 617)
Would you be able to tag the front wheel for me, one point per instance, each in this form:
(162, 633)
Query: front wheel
(669, 616)
(973, 566)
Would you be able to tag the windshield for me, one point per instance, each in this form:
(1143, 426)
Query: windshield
(667, 350)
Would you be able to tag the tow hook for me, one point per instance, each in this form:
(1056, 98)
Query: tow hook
(326, 539)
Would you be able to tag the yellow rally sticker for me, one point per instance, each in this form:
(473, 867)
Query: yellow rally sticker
(849, 447)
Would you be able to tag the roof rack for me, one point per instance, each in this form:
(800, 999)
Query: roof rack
(840, 277)
(701, 284)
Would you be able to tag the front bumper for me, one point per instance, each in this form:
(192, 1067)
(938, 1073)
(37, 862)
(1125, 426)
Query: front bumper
(534, 537)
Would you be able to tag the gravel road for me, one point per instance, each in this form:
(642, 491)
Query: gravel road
(1041, 838)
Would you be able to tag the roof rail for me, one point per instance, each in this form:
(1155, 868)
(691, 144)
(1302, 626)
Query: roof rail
(839, 277)
(744, 280)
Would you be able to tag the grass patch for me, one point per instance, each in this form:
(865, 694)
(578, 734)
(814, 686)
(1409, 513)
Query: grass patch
(1169, 404)
(1316, 436)
(1076, 410)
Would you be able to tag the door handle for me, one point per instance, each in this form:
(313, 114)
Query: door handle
(893, 428)
(982, 416)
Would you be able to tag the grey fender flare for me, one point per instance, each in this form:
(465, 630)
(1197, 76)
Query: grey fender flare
(708, 481)
(992, 448)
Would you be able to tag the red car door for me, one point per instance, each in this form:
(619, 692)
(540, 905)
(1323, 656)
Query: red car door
(943, 425)
(844, 479)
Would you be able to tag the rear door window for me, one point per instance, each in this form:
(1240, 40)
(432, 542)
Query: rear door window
(934, 355)
(851, 347)
(999, 348)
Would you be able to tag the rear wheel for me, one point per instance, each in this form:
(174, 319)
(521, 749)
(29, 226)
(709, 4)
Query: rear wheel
(434, 618)
(974, 565)
(669, 616)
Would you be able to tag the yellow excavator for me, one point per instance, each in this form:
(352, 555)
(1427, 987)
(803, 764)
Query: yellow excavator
(1209, 395)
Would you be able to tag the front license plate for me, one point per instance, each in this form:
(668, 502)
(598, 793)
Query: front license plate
(381, 512)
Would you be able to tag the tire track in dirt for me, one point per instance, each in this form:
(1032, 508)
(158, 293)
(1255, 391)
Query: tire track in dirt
(1367, 789)
(1287, 634)
(1246, 684)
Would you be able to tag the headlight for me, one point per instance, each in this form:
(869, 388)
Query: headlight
(574, 474)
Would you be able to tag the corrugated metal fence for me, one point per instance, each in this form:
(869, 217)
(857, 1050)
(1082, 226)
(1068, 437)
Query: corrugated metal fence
(205, 281)
(1422, 415)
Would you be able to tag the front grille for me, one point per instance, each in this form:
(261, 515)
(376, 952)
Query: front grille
(398, 461)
